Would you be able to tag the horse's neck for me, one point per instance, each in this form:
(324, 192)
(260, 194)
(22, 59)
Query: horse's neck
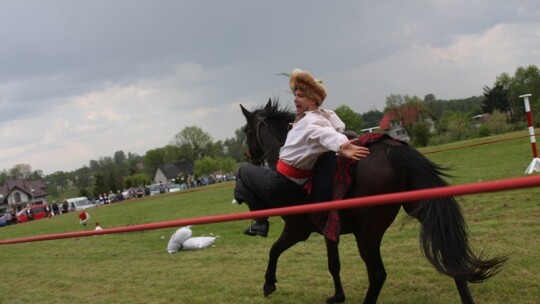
(272, 155)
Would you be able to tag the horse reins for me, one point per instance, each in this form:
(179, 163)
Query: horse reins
(261, 121)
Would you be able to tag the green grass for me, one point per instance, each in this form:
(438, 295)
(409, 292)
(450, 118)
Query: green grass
(136, 268)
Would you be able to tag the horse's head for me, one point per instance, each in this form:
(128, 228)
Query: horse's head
(254, 154)
(266, 130)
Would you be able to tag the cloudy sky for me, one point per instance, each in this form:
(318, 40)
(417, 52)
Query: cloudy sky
(80, 80)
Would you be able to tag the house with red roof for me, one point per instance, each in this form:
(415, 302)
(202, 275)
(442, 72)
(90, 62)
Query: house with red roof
(394, 126)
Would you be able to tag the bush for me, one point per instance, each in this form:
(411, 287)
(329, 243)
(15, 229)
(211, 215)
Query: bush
(496, 124)
(458, 129)
(483, 131)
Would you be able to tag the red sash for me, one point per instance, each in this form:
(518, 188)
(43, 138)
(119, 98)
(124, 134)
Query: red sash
(293, 172)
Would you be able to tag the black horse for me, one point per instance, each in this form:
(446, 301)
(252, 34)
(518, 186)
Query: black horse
(390, 167)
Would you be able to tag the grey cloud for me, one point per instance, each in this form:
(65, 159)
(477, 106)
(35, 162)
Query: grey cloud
(162, 63)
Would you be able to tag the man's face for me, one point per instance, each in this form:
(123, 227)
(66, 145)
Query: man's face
(303, 103)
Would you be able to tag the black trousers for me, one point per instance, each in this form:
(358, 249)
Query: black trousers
(263, 188)
(322, 188)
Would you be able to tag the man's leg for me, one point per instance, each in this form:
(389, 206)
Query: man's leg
(261, 189)
(322, 184)
(251, 189)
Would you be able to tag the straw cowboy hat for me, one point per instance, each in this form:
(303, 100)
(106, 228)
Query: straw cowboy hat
(303, 81)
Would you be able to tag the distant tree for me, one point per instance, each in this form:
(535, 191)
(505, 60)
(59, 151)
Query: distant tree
(22, 171)
(429, 98)
(134, 162)
(526, 80)
(58, 180)
(120, 157)
(53, 191)
(94, 165)
(205, 166)
(83, 177)
(227, 164)
(171, 154)
(99, 186)
(434, 107)
(121, 164)
(505, 92)
(236, 145)
(499, 97)
(3, 176)
(136, 180)
(421, 134)
(153, 159)
(192, 140)
(371, 119)
(111, 181)
(470, 105)
(352, 120)
(36, 175)
(112, 173)
(84, 192)
(214, 149)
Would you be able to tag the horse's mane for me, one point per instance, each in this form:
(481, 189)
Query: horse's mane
(278, 116)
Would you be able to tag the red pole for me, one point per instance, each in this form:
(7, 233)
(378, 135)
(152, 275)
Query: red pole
(530, 123)
(415, 195)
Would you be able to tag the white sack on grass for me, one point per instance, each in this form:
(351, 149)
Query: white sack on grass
(182, 240)
(178, 238)
(196, 243)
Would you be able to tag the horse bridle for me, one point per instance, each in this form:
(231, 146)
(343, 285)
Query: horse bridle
(260, 161)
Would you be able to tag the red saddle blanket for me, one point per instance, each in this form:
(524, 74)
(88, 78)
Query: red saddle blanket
(328, 222)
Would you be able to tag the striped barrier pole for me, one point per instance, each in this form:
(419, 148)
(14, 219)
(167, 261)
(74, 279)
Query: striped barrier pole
(535, 163)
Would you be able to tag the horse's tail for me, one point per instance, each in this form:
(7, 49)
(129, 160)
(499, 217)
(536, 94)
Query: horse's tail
(444, 236)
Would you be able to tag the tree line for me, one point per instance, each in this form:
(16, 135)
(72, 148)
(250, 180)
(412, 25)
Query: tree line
(451, 119)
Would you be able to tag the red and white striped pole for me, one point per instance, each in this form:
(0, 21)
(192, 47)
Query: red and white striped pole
(535, 164)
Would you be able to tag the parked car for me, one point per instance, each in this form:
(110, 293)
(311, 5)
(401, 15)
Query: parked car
(139, 192)
(174, 187)
(158, 189)
(5, 219)
(80, 204)
(127, 194)
(34, 212)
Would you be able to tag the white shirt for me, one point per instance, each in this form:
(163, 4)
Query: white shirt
(314, 133)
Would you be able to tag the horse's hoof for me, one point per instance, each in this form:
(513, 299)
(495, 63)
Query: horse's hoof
(269, 289)
(335, 299)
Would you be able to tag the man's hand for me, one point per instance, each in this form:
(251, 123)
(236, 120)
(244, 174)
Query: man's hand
(352, 151)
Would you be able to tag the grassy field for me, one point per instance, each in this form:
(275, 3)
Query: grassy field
(136, 268)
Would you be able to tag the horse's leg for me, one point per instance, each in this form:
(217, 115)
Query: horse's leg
(369, 246)
(290, 236)
(464, 291)
(334, 266)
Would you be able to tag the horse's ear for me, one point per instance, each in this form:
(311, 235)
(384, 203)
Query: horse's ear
(268, 106)
(246, 113)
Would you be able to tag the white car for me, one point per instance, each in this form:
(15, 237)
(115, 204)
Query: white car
(81, 205)
(174, 187)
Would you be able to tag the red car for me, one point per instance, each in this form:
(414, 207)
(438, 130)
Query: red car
(34, 212)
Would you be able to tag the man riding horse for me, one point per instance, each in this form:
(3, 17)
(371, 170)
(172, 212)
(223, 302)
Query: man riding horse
(314, 132)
